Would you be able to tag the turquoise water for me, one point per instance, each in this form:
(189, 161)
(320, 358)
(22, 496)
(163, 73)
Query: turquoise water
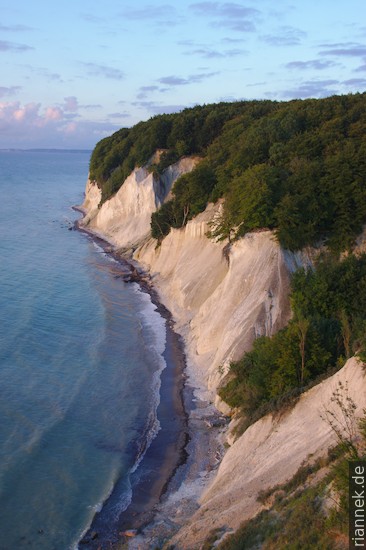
(80, 357)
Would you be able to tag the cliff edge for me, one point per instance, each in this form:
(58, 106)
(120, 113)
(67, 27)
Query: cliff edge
(125, 218)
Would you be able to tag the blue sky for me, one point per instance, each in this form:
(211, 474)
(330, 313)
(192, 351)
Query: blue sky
(73, 72)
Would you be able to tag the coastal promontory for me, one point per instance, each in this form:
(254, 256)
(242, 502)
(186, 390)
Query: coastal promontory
(248, 218)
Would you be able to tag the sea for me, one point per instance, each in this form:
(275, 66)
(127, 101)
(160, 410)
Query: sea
(80, 359)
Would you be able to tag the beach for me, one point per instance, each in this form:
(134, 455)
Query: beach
(180, 460)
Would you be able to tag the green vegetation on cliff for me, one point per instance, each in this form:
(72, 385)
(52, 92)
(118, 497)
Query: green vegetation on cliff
(298, 167)
(328, 326)
(186, 133)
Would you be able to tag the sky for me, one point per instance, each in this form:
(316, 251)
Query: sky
(74, 72)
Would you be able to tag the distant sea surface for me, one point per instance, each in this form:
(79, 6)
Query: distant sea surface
(80, 358)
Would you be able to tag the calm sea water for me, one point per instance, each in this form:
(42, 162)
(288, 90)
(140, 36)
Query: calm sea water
(80, 357)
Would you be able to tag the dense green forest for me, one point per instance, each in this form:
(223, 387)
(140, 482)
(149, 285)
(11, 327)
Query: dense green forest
(297, 167)
(189, 132)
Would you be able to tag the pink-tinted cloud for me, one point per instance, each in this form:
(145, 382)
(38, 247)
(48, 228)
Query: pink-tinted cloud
(32, 125)
(14, 112)
(70, 128)
(53, 113)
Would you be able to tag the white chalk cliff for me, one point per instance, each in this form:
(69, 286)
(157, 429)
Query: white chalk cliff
(222, 299)
(125, 218)
(269, 453)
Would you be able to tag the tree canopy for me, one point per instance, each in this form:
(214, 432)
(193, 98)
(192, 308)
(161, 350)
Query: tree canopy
(298, 167)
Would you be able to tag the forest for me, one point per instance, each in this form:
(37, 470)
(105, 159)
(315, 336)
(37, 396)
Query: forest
(296, 167)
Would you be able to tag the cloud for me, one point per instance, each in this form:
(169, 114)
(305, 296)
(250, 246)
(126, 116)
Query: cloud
(191, 43)
(14, 28)
(149, 12)
(9, 91)
(348, 49)
(103, 70)
(312, 88)
(91, 106)
(162, 15)
(13, 112)
(205, 52)
(13, 47)
(254, 84)
(286, 36)
(53, 113)
(316, 64)
(173, 80)
(323, 88)
(91, 18)
(29, 115)
(71, 104)
(31, 125)
(229, 40)
(144, 91)
(119, 115)
(45, 73)
(231, 10)
(156, 108)
(208, 53)
(356, 82)
(230, 15)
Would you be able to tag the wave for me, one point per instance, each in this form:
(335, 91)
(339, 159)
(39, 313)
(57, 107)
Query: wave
(154, 331)
(154, 335)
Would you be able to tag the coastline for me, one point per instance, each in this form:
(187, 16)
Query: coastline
(181, 458)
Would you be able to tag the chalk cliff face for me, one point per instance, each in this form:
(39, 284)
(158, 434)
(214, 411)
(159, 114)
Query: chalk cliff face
(222, 297)
(269, 453)
(125, 218)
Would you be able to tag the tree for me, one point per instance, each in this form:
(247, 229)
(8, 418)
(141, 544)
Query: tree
(303, 327)
(346, 332)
